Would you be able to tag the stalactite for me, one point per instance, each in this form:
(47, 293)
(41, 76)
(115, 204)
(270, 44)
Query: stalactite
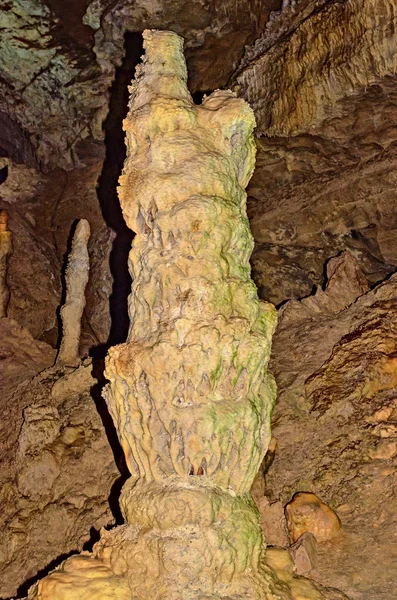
(5, 251)
(76, 280)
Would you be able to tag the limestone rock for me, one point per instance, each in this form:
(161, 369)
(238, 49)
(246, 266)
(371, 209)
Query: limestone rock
(300, 91)
(307, 513)
(76, 277)
(273, 522)
(94, 582)
(345, 283)
(188, 321)
(323, 181)
(21, 357)
(304, 553)
(5, 251)
(281, 562)
(336, 380)
(35, 283)
(57, 465)
(58, 64)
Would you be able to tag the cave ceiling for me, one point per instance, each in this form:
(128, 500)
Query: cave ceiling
(318, 73)
(58, 61)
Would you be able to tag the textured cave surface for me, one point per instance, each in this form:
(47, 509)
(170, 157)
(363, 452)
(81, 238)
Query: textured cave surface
(320, 76)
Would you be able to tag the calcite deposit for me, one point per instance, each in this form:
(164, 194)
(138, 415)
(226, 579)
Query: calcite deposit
(5, 251)
(76, 277)
(189, 392)
(306, 513)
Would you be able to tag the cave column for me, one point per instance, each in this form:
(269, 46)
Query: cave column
(189, 392)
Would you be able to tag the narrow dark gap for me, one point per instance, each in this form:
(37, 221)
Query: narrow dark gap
(112, 214)
(199, 96)
(112, 437)
(3, 174)
(107, 187)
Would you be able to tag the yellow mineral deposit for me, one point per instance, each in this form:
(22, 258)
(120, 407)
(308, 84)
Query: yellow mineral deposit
(189, 392)
(5, 251)
(306, 512)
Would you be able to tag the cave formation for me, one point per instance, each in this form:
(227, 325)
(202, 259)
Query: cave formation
(108, 490)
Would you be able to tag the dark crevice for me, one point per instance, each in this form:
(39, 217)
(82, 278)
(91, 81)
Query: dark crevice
(3, 174)
(15, 142)
(23, 589)
(107, 187)
(198, 96)
(111, 434)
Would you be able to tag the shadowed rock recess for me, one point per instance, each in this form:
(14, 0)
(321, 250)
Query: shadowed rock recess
(189, 391)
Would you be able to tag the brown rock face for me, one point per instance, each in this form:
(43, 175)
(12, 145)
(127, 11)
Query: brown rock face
(57, 466)
(304, 77)
(334, 422)
(321, 81)
(304, 553)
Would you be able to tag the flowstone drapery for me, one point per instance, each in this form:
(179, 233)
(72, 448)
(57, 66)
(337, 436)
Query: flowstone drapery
(189, 391)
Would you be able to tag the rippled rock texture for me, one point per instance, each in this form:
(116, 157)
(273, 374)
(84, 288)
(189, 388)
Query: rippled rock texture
(335, 426)
(324, 95)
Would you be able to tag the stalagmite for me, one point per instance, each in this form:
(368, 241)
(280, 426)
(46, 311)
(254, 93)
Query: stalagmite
(76, 280)
(189, 392)
(5, 251)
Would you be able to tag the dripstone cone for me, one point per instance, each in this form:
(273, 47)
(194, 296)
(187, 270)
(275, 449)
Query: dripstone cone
(189, 392)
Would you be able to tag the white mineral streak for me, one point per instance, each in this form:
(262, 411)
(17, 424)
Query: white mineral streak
(76, 280)
(189, 391)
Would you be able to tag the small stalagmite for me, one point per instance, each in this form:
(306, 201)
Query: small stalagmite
(189, 392)
(77, 273)
(5, 251)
